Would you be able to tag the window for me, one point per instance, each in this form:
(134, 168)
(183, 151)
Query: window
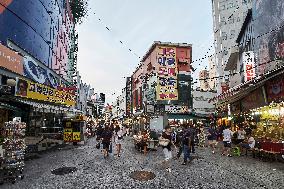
(230, 5)
(225, 51)
(224, 36)
(233, 33)
(223, 21)
(231, 19)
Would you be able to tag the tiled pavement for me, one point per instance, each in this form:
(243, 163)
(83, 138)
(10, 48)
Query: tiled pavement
(209, 171)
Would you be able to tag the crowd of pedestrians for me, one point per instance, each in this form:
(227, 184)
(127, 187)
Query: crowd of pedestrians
(174, 142)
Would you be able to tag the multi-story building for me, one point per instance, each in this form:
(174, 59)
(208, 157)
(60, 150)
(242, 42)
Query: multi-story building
(228, 17)
(163, 81)
(37, 44)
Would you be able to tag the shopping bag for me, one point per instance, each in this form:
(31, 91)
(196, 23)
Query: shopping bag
(110, 148)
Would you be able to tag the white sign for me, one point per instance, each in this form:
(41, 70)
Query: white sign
(150, 108)
(176, 109)
(249, 65)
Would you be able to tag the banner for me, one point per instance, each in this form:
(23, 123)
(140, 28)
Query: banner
(36, 91)
(128, 96)
(167, 74)
(255, 99)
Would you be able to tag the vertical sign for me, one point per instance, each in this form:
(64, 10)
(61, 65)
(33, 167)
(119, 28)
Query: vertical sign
(128, 96)
(249, 65)
(167, 74)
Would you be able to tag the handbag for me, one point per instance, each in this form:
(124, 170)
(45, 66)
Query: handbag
(163, 141)
(98, 145)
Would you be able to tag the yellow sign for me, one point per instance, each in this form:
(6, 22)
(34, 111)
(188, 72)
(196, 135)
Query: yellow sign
(68, 136)
(167, 74)
(36, 91)
(76, 136)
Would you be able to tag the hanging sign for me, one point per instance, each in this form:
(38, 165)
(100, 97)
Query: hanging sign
(249, 65)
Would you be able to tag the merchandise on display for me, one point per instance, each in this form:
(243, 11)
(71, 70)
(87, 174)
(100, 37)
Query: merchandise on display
(12, 163)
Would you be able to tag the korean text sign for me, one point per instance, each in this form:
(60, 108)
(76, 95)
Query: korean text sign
(36, 91)
(167, 74)
(249, 65)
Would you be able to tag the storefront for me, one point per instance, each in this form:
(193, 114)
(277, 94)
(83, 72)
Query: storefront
(256, 106)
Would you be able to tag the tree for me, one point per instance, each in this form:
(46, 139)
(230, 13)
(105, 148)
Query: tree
(79, 10)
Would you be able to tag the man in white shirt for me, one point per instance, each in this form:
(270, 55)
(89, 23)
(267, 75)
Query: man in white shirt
(227, 140)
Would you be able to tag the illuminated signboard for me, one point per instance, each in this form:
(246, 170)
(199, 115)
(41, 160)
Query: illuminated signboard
(167, 74)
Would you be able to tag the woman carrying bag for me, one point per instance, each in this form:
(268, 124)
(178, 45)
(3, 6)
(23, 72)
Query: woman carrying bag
(166, 142)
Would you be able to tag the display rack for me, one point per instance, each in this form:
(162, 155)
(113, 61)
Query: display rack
(12, 163)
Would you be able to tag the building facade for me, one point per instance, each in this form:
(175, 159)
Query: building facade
(228, 17)
(162, 82)
(37, 52)
(204, 80)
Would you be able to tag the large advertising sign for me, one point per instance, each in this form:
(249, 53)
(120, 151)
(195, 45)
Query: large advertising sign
(167, 74)
(268, 16)
(10, 60)
(128, 95)
(249, 65)
(36, 91)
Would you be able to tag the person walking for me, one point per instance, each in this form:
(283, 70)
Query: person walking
(166, 142)
(106, 140)
(187, 137)
(227, 141)
(118, 137)
(201, 137)
(212, 138)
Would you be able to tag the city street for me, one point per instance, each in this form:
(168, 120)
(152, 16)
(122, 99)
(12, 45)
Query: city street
(206, 171)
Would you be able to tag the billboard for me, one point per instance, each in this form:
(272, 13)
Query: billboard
(10, 60)
(249, 65)
(36, 91)
(167, 74)
(268, 16)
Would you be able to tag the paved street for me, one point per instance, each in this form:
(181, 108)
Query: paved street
(209, 171)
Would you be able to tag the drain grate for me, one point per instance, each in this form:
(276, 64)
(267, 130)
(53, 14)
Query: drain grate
(64, 170)
(142, 175)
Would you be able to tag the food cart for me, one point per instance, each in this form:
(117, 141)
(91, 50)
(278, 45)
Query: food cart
(74, 130)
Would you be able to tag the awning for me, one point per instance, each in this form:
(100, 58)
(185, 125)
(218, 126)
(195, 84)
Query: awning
(232, 62)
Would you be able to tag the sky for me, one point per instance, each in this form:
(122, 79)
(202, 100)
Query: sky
(103, 62)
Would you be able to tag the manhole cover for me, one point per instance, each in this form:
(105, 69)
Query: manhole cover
(142, 175)
(64, 170)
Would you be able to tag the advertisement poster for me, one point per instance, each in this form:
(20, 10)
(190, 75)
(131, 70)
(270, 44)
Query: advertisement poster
(167, 74)
(268, 16)
(36, 91)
